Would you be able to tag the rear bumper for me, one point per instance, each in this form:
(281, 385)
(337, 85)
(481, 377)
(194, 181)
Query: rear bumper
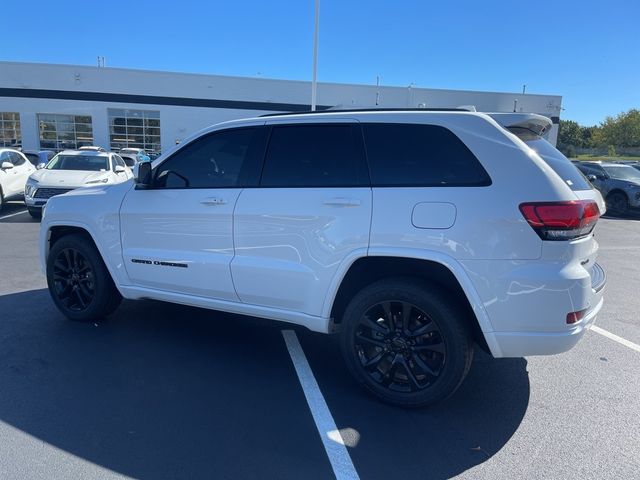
(523, 344)
(529, 316)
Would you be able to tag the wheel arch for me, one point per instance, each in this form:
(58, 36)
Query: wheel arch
(433, 267)
(617, 190)
(55, 232)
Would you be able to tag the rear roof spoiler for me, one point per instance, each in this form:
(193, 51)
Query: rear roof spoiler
(538, 124)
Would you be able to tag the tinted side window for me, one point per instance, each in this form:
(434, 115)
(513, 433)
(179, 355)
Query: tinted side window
(129, 162)
(119, 161)
(314, 156)
(16, 158)
(590, 169)
(33, 158)
(213, 161)
(420, 155)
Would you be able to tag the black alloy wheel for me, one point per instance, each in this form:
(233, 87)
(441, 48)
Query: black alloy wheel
(73, 280)
(35, 213)
(407, 341)
(79, 282)
(400, 346)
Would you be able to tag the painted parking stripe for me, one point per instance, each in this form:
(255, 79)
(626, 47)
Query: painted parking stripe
(13, 214)
(616, 338)
(336, 451)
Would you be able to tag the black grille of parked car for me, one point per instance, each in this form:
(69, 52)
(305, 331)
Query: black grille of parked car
(50, 192)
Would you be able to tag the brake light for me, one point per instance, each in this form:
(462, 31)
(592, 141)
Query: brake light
(561, 220)
(575, 317)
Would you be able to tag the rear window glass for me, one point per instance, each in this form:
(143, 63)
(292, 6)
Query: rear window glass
(560, 164)
(403, 154)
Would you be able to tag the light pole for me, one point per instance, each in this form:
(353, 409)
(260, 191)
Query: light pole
(314, 81)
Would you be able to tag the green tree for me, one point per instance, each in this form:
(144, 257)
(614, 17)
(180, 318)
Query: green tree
(588, 135)
(570, 134)
(623, 130)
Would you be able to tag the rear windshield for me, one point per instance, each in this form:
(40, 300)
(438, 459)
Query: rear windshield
(560, 164)
(92, 163)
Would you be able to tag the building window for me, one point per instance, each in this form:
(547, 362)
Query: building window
(10, 134)
(59, 132)
(134, 129)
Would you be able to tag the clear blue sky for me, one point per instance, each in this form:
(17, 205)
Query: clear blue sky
(586, 51)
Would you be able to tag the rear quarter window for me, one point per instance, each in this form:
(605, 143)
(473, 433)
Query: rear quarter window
(404, 154)
(560, 164)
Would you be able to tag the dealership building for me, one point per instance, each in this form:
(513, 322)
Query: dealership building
(51, 107)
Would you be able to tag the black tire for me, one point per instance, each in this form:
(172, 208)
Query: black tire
(617, 203)
(423, 364)
(1, 199)
(35, 213)
(79, 282)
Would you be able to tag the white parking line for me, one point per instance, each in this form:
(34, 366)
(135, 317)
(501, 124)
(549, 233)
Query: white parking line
(336, 451)
(13, 214)
(616, 338)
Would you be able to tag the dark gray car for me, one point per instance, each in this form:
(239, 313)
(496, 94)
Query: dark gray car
(618, 183)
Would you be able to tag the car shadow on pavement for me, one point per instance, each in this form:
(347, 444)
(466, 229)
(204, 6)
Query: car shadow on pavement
(15, 212)
(438, 442)
(630, 215)
(158, 391)
(166, 391)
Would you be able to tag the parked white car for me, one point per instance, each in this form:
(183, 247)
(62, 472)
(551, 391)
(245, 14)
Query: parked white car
(15, 169)
(72, 169)
(414, 234)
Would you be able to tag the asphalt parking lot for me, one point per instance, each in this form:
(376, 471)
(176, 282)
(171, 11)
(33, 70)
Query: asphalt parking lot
(162, 391)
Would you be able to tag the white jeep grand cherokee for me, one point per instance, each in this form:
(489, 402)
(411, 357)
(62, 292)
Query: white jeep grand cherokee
(413, 234)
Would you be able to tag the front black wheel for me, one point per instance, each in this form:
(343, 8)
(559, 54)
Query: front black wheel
(79, 282)
(36, 213)
(617, 203)
(406, 342)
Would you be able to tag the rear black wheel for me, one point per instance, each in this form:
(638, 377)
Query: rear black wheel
(407, 343)
(617, 203)
(79, 282)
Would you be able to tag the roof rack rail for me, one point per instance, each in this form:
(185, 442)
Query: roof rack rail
(360, 110)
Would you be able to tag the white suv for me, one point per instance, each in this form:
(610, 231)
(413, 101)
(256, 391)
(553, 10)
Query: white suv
(15, 168)
(71, 169)
(414, 234)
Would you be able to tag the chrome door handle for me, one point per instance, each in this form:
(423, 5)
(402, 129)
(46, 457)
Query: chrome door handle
(342, 202)
(213, 201)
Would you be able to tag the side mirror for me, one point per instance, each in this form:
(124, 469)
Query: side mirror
(40, 166)
(6, 165)
(142, 174)
(119, 169)
(592, 178)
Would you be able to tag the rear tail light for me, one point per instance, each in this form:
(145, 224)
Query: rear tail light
(575, 317)
(561, 220)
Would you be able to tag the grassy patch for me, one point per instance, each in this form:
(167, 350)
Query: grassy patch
(606, 158)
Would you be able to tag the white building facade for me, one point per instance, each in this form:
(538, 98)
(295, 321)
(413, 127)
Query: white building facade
(51, 107)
